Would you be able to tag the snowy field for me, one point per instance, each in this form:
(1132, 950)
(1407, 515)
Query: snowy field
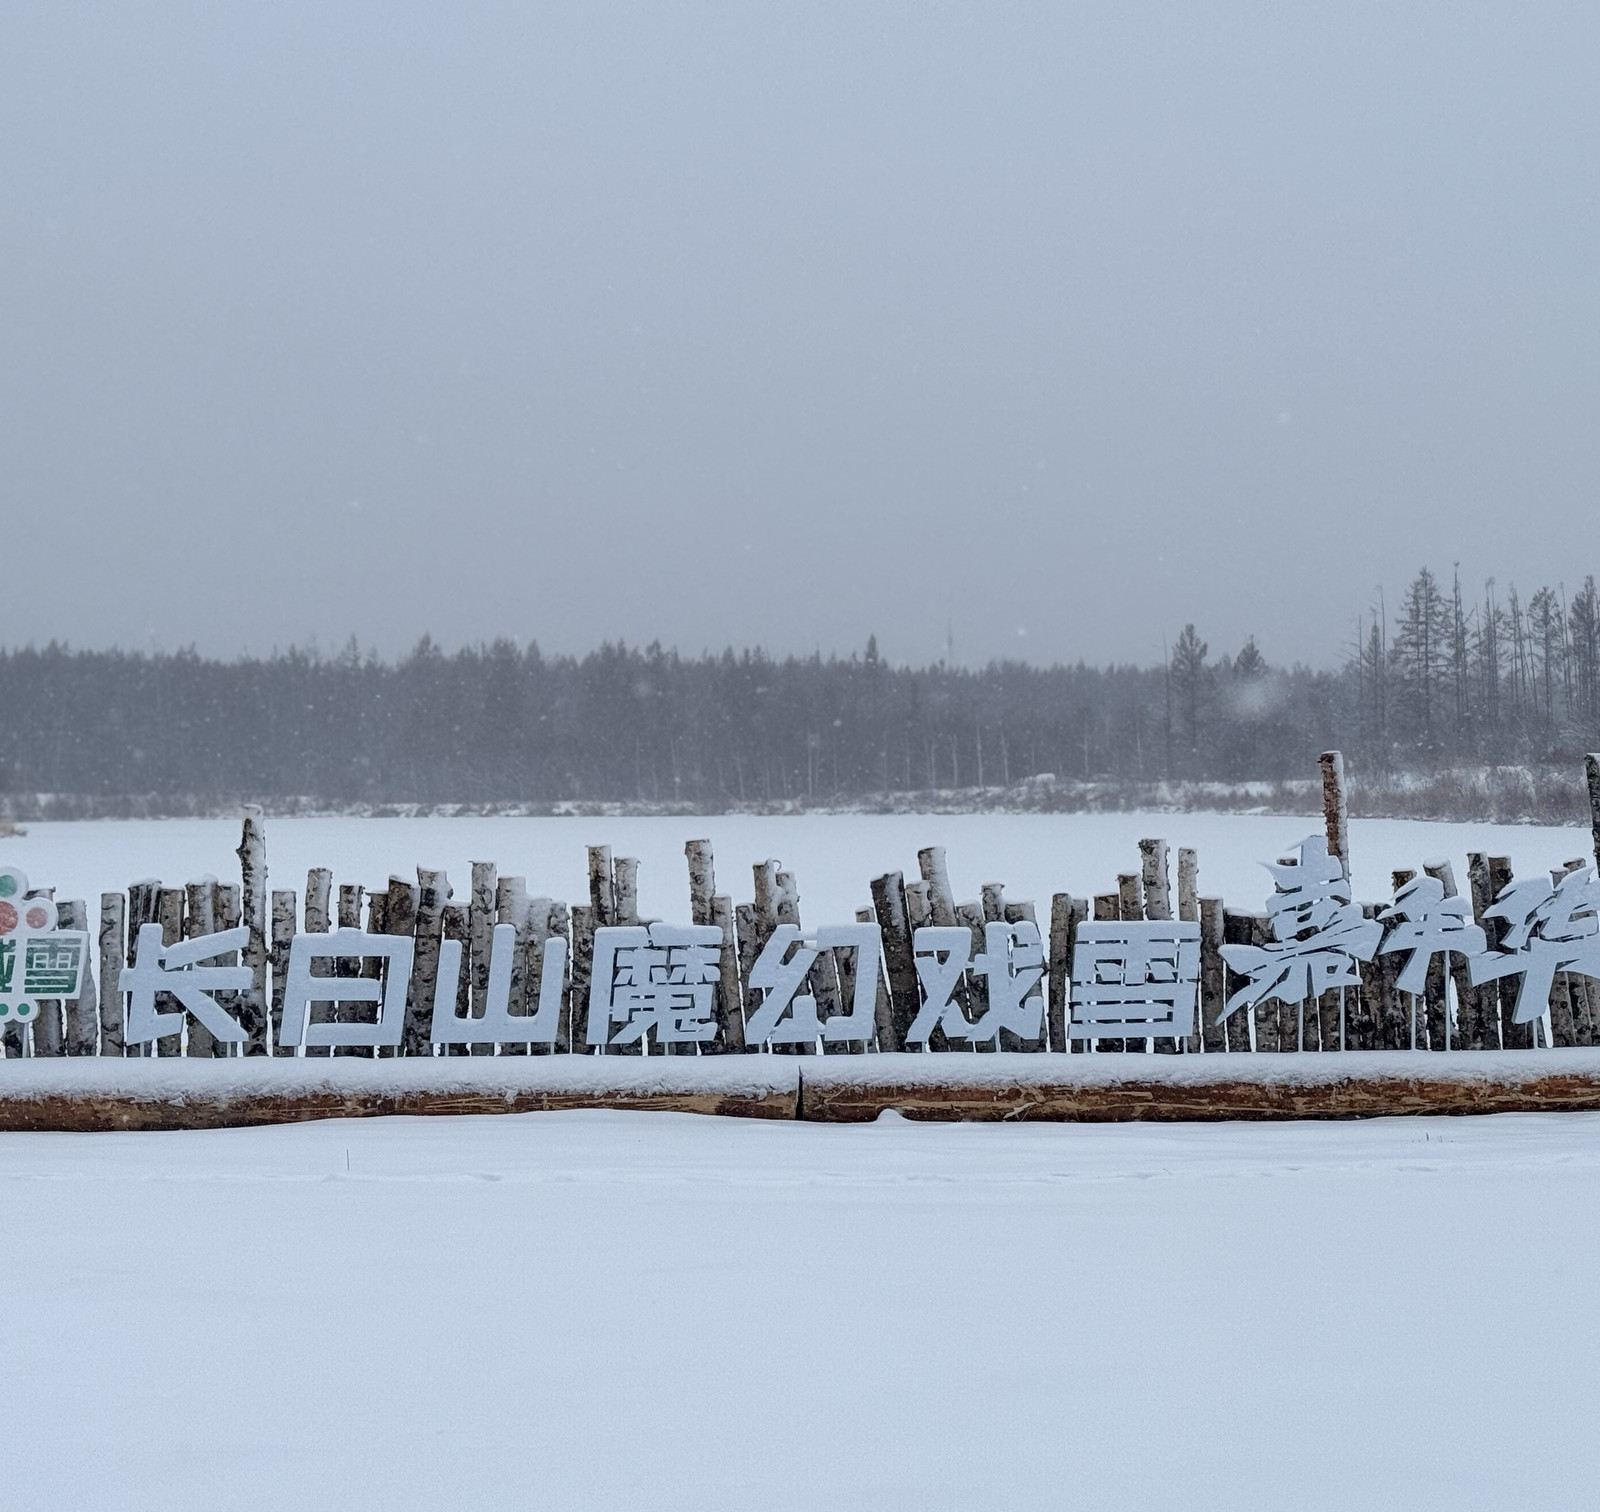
(630, 1311)
(833, 856)
(605, 1310)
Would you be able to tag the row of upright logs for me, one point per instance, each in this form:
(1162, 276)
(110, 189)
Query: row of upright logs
(1451, 1012)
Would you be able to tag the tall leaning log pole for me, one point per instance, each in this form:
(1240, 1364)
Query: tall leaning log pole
(1335, 808)
(1591, 771)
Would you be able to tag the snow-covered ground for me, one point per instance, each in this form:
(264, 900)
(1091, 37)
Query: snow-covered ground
(833, 856)
(606, 1310)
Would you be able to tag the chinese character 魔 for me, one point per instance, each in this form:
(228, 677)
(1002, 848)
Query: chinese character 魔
(1135, 980)
(1318, 934)
(661, 977)
(1553, 927)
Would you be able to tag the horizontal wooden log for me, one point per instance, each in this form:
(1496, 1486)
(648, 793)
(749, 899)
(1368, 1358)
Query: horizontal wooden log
(206, 1094)
(100, 1095)
(1086, 1089)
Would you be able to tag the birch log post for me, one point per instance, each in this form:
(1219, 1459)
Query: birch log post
(786, 904)
(1363, 1005)
(48, 1031)
(745, 934)
(481, 907)
(1513, 1036)
(730, 1014)
(400, 919)
(1415, 1003)
(144, 907)
(1058, 958)
(83, 1011)
(944, 912)
(583, 926)
(252, 1004)
(991, 909)
(512, 906)
(1155, 880)
(1189, 913)
(1563, 1026)
(284, 903)
(1272, 1019)
(1107, 909)
(1130, 908)
(1213, 977)
(625, 888)
(889, 908)
(433, 892)
(112, 935)
(169, 915)
(535, 934)
(455, 923)
(1582, 989)
(561, 927)
(1335, 809)
(1591, 773)
(602, 889)
(318, 901)
(1237, 929)
(883, 1007)
(351, 895)
(1020, 912)
(1470, 1031)
(1330, 1007)
(200, 918)
(702, 880)
(229, 916)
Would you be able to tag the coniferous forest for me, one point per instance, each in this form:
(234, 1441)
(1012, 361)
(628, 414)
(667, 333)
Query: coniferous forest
(1442, 681)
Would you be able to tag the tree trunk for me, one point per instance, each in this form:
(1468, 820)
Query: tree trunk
(252, 1004)
(83, 1016)
(112, 949)
(200, 918)
(283, 919)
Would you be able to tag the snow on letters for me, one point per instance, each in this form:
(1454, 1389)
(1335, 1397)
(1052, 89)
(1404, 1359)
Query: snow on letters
(1135, 980)
(499, 1025)
(37, 960)
(303, 989)
(1554, 927)
(1318, 934)
(789, 1017)
(660, 977)
(1427, 923)
(177, 970)
(1012, 965)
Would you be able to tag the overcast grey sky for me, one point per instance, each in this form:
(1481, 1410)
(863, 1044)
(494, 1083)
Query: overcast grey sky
(712, 323)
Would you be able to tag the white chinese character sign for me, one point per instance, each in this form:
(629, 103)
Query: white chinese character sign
(1135, 980)
(1553, 926)
(37, 960)
(1318, 934)
(1011, 965)
(788, 1016)
(659, 980)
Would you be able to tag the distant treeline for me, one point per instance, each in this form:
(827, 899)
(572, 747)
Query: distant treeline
(1444, 680)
